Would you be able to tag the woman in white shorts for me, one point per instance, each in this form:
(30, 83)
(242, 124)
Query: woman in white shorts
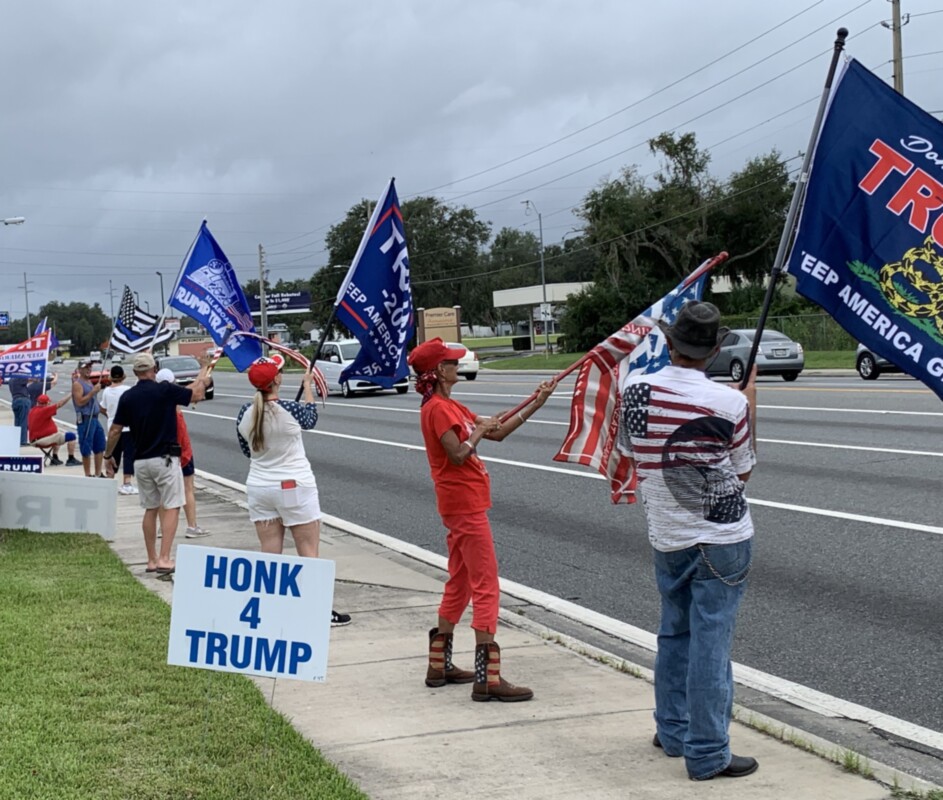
(281, 489)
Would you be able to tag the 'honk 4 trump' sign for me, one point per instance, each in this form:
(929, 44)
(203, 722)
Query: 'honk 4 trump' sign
(250, 612)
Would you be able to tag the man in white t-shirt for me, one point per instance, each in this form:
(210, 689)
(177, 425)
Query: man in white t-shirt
(124, 451)
(692, 441)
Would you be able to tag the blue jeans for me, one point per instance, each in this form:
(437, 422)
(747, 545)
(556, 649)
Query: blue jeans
(91, 436)
(693, 675)
(21, 417)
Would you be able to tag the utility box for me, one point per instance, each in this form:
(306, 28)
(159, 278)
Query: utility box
(520, 342)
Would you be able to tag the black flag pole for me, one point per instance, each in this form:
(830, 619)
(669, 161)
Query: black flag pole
(317, 350)
(802, 183)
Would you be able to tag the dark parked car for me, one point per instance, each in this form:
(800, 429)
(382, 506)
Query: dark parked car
(185, 370)
(777, 355)
(870, 364)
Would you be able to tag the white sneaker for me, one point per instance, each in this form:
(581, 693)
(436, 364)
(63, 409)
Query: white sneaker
(196, 532)
(127, 488)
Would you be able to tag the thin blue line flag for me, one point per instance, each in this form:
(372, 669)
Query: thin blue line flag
(375, 301)
(207, 290)
(869, 245)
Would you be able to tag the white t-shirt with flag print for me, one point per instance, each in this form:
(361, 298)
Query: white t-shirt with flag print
(690, 438)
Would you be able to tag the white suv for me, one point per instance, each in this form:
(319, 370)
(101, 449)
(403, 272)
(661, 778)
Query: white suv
(335, 357)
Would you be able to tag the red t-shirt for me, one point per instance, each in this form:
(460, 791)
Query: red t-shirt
(183, 439)
(40, 423)
(464, 489)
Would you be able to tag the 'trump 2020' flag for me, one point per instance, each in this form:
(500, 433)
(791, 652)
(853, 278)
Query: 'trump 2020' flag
(594, 414)
(208, 291)
(135, 329)
(869, 246)
(26, 359)
(375, 301)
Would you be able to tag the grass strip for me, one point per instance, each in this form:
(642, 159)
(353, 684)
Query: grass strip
(90, 709)
(814, 359)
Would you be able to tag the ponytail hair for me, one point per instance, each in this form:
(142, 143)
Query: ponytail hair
(257, 433)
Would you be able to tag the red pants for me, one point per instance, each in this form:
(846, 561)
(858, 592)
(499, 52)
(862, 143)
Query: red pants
(473, 571)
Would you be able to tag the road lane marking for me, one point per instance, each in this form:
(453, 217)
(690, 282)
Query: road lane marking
(856, 410)
(822, 512)
(795, 693)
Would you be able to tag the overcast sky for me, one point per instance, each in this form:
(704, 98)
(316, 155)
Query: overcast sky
(123, 123)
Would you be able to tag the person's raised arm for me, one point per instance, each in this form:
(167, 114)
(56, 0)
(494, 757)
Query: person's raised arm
(502, 431)
(458, 451)
(203, 381)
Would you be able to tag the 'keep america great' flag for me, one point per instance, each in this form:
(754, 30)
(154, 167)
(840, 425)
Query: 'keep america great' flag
(869, 246)
(375, 301)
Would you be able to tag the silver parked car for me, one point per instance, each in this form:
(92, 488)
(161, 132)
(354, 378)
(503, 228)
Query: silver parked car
(870, 364)
(777, 355)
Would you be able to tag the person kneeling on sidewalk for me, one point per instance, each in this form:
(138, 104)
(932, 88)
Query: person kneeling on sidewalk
(463, 495)
(43, 431)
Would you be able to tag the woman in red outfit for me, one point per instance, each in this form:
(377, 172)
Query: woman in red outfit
(463, 496)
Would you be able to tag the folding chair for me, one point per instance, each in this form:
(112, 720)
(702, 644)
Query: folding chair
(47, 451)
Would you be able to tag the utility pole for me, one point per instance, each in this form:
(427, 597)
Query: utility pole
(262, 301)
(894, 26)
(26, 291)
(111, 296)
(544, 307)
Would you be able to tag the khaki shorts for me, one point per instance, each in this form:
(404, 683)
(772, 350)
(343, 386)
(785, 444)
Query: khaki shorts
(160, 482)
(53, 438)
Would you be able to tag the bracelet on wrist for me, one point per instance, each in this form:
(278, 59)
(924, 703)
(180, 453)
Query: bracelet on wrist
(521, 417)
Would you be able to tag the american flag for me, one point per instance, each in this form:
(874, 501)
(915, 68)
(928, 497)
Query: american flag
(134, 328)
(594, 414)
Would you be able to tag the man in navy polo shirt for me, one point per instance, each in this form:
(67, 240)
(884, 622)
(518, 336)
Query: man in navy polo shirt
(149, 410)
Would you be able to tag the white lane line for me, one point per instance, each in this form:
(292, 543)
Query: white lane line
(595, 476)
(855, 447)
(795, 693)
(856, 410)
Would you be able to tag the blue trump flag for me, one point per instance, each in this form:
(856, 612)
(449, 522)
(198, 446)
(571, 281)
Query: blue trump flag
(41, 328)
(208, 291)
(375, 301)
(869, 244)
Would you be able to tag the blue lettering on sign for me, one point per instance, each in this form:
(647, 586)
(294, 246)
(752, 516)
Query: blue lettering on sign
(208, 648)
(241, 575)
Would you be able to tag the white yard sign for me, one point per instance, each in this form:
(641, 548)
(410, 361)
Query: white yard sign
(250, 612)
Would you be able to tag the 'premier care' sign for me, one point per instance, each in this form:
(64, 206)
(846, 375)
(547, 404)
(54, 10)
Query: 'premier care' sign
(249, 612)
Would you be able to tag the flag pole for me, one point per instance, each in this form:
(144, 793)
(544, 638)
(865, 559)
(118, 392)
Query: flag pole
(798, 196)
(173, 290)
(111, 335)
(707, 266)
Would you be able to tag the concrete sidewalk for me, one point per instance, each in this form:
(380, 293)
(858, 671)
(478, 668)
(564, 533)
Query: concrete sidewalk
(586, 734)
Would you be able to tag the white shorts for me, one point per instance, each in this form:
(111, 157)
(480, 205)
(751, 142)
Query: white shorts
(296, 505)
(160, 483)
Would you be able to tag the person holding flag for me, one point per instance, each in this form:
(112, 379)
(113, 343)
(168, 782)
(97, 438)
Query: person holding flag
(463, 495)
(281, 488)
(692, 443)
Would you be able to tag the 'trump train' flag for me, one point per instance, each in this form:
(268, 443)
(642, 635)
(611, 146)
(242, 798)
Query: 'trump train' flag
(594, 414)
(135, 329)
(41, 328)
(208, 291)
(869, 246)
(375, 300)
(26, 359)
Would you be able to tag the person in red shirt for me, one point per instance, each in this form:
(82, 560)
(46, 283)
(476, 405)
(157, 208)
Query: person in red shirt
(43, 431)
(463, 496)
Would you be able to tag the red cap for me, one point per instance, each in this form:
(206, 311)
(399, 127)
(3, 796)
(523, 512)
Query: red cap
(262, 373)
(43, 400)
(427, 356)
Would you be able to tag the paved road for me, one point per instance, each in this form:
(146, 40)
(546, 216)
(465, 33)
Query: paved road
(845, 605)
